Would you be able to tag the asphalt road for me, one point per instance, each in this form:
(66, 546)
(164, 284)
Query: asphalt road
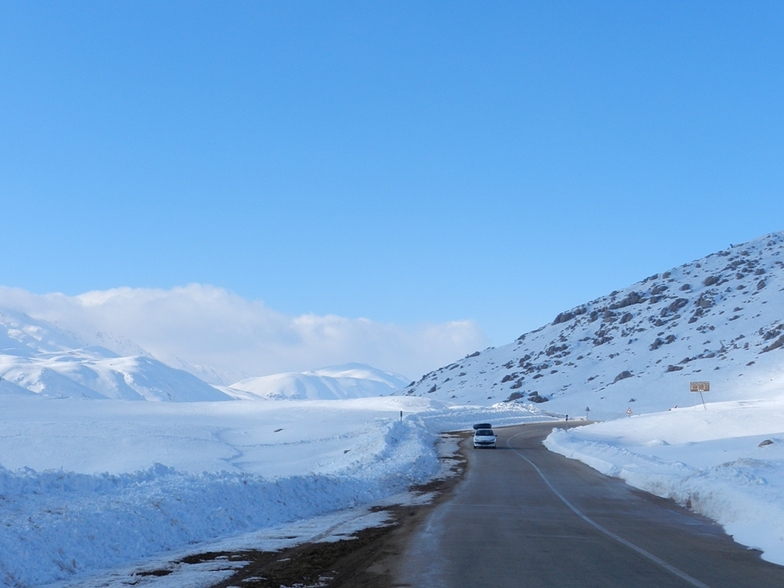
(526, 518)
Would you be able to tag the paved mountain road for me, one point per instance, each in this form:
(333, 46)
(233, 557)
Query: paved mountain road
(527, 518)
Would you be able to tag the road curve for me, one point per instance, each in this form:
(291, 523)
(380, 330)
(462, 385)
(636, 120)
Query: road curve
(526, 517)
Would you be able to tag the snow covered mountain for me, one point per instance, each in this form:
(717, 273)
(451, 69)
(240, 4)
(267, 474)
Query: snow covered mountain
(719, 319)
(41, 357)
(38, 357)
(352, 380)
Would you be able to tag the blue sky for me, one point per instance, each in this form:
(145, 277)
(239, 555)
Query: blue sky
(407, 162)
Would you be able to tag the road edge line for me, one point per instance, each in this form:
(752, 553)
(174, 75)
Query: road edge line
(648, 555)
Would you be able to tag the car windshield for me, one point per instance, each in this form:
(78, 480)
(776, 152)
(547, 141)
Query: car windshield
(484, 433)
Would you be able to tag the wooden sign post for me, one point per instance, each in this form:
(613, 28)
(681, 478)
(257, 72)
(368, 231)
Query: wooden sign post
(700, 387)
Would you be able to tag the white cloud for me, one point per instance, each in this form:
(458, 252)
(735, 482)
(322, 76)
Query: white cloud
(209, 326)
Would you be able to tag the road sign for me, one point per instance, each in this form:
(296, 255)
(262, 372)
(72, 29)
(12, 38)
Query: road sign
(700, 387)
(629, 411)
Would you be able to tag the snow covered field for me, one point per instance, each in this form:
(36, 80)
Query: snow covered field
(91, 485)
(719, 462)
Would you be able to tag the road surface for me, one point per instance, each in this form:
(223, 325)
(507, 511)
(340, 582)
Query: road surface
(527, 518)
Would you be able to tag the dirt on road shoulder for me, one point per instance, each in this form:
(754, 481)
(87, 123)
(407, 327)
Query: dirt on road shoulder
(362, 561)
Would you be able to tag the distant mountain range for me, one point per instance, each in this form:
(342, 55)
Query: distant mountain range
(40, 357)
(353, 380)
(718, 319)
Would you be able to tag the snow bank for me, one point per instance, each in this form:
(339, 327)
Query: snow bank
(224, 470)
(92, 485)
(56, 524)
(710, 461)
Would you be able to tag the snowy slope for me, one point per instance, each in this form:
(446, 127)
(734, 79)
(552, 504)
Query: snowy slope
(719, 319)
(41, 358)
(354, 380)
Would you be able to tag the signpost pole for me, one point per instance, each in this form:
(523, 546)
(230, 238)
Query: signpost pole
(700, 387)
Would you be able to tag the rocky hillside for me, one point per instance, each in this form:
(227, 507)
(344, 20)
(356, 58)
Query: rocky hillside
(719, 319)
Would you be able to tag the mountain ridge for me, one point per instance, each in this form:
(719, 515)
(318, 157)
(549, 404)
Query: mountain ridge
(352, 380)
(40, 357)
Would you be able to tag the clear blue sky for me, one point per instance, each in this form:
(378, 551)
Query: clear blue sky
(400, 161)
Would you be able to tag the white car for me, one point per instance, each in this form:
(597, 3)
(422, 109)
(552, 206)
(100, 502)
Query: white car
(484, 438)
